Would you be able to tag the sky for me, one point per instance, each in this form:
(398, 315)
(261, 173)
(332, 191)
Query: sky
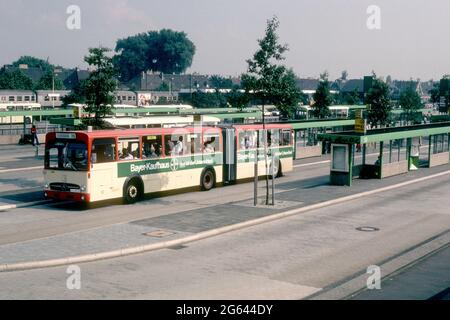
(411, 42)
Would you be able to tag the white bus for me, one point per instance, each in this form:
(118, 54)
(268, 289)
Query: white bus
(101, 165)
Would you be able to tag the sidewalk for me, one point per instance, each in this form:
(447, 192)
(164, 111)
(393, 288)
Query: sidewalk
(160, 229)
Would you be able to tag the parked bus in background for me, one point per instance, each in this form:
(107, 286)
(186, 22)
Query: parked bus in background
(107, 164)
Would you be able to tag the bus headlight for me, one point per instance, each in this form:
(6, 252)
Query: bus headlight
(46, 186)
(83, 188)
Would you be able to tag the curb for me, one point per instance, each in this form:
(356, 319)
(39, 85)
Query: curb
(8, 267)
(23, 205)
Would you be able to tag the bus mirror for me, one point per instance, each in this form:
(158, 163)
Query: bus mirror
(94, 158)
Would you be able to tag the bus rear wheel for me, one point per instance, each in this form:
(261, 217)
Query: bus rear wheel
(207, 180)
(133, 192)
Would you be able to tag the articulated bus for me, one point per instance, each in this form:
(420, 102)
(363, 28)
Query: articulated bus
(107, 164)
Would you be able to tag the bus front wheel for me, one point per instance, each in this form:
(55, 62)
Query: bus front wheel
(133, 192)
(208, 179)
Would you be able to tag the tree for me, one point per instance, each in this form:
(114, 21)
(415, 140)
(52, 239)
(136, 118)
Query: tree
(379, 105)
(47, 82)
(322, 98)
(344, 75)
(34, 62)
(100, 85)
(76, 95)
(353, 97)
(164, 51)
(218, 82)
(270, 82)
(200, 99)
(434, 94)
(15, 80)
(238, 99)
(411, 103)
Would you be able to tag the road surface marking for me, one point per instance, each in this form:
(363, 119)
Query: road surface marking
(22, 205)
(21, 169)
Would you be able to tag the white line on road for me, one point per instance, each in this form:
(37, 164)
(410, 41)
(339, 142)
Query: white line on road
(21, 169)
(23, 205)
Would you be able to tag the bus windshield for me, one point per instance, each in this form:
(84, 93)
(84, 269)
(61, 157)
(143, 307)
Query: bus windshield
(66, 155)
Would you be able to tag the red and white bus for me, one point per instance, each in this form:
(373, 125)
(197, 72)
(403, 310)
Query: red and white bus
(107, 164)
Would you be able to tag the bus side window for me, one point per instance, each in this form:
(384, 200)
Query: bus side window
(103, 150)
(211, 143)
(175, 145)
(273, 137)
(152, 146)
(285, 137)
(247, 140)
(193, 143)
(129, 149)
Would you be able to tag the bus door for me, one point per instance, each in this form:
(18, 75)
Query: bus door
(103, 168)
(229, 154)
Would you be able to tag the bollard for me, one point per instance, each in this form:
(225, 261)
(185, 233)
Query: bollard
(36, 154)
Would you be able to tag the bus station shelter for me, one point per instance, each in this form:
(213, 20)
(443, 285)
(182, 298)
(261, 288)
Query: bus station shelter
(381, 153)
(306, 134)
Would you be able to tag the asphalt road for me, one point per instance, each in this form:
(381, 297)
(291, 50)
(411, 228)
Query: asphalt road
(286, 259)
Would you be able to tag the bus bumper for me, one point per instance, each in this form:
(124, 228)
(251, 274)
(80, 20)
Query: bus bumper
(72, 196)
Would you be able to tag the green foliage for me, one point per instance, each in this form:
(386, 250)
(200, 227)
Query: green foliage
(238, 99)
(76, 95)
(352, 98)
(379, 105)
(218, 82)
(34, 62)
(322, 98)
(165, 51)
(100, 85)
(200, 99)
(15, 80)
(46, 82)
(268, 81)
(411, 103)
(434, 93)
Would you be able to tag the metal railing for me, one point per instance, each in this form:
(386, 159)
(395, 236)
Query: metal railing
(42, 128)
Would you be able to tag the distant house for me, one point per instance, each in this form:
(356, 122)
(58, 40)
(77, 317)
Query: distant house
(17, 96)
(125, 97)
(71, 78)
(150, 81)
(307, 86)
(350, 86)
